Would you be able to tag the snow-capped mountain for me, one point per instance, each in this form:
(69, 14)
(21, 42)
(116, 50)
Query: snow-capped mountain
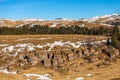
(103, 18)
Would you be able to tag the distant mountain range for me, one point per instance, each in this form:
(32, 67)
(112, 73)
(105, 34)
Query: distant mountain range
(98, 21)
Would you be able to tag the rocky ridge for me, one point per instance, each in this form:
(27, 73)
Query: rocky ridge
(56, 55)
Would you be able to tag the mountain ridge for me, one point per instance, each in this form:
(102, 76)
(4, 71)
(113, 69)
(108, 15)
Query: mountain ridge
(106, 20)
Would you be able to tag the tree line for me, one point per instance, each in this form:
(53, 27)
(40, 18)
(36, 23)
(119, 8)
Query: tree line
(37, 29)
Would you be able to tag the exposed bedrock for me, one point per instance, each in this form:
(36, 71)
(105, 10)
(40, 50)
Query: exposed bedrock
(56, 57)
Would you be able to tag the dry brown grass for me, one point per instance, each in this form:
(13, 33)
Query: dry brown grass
(12, 39)
(34, 39)
(12, 77)
(107, 73)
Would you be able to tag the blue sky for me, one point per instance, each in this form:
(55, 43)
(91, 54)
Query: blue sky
(51, 9)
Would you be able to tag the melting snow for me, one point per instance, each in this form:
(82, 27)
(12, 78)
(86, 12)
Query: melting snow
(89, 75)
(19, 50)
(98, 42)
(21, 45)
(60, 43)
(7, 72)
(10, 49)
(32, 39)
(38, 77)
(23, 39)
(42, 38)
(80, 78)
(30, 47)
(39, 46)
(2, 45)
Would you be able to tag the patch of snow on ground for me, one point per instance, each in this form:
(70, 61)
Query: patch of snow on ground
(19, 50)
(79, 78)
(21, 45)
(2, 45)
(30, 47)
(38, 77)
(7, 72)
(32, 39)
(60, 43)
(98, 42)
(23, 39)
(39, 46)
(56, 43)
(10, 49)
(89, 75)
(42, 38)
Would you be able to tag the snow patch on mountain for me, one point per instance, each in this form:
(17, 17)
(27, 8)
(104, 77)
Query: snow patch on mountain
(18, 26)
(8, 19)
(33, 19)
(108, 17)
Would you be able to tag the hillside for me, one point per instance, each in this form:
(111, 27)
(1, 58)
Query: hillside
(74, 57)
(106, 21)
